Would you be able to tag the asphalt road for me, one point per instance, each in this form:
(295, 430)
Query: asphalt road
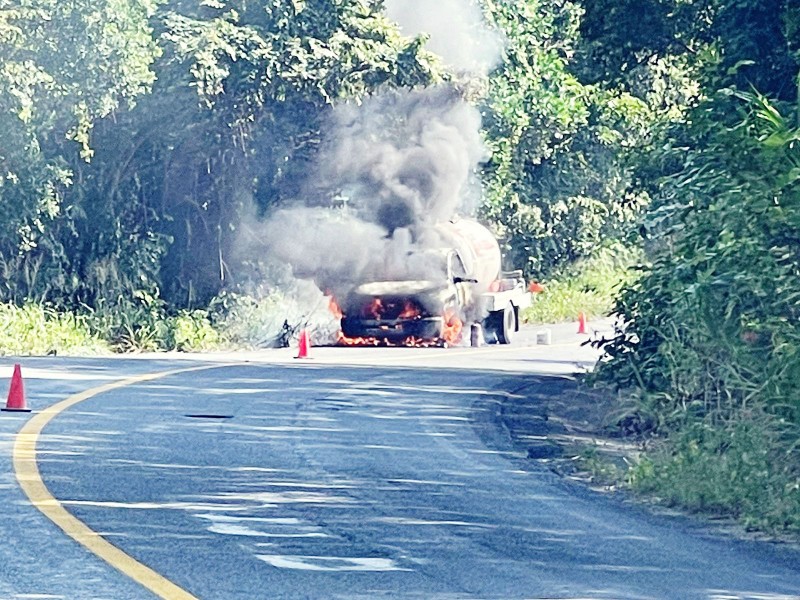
(360, 473)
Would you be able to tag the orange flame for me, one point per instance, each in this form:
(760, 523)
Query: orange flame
(343, 340)
(452, 329)
(374, 309)
(333, 306)
(410, 311)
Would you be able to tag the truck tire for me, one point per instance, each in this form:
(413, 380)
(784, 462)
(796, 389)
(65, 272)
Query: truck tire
(500, 325)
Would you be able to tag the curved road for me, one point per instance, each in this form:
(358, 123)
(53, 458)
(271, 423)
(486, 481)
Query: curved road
(358, 474)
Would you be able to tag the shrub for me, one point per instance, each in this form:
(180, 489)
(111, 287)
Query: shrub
(741, 468)
(142, 324)
(192, 331)
(710, 339)
(37, 329)
(275, 319)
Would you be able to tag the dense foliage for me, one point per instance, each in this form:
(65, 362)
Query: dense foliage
(558, 183)
(141, 139)
(132, 156)
(710, 343)
(64, 66)
(148, 203)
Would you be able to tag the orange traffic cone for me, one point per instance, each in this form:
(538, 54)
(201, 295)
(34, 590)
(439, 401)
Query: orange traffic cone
(581, 322)
(16, 393)
(303, 344)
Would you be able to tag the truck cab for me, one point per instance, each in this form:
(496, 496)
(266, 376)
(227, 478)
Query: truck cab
(410, 311)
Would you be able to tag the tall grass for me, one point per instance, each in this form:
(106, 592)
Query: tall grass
(275, 319)
(193, 331)
(589, 286)
(36, 329)
(743, 469)
(142, 324)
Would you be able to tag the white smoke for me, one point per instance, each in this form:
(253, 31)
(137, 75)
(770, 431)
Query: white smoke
(457, 31)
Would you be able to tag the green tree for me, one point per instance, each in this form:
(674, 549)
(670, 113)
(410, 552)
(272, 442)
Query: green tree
(720, 220)
(239, 92)
(709, 343)
(63, 66)
(265, 78)
(558, 183)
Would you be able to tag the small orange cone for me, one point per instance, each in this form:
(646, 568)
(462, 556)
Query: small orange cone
(303, 344)
(16, 393)
(581, 322)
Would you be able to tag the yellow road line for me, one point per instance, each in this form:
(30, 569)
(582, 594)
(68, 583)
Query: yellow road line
(30, 479)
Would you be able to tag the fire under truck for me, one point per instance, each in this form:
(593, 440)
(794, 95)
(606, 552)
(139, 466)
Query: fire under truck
(469, 288)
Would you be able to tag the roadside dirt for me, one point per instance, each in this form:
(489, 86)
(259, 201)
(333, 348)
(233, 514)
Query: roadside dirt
(574, 432)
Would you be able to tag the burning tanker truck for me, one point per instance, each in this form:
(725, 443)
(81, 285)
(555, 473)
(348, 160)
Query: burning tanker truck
(469, 287)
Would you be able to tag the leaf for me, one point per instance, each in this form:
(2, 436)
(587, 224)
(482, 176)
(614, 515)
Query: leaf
(734, 70)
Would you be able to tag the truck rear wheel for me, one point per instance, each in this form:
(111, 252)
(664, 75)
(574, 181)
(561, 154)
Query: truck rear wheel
(500, 325)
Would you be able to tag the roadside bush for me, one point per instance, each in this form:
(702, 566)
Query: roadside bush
(37, 329)
(743, 469)
(251, 322)
(136, 324)
(192, 331)
(275, 319)
(142, 324)
(713, 325)
(709, 343)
